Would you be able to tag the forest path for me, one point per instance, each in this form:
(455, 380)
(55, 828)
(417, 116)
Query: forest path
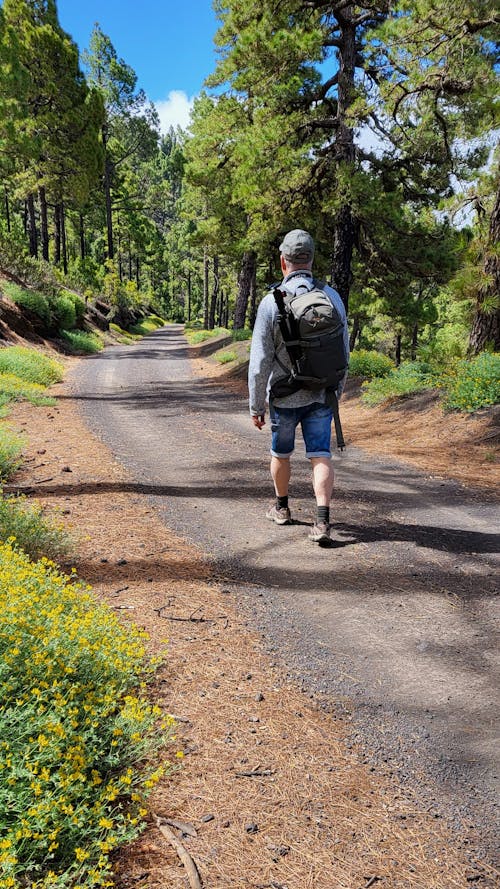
(395, 623)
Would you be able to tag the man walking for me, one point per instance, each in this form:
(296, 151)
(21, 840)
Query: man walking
(269, 363)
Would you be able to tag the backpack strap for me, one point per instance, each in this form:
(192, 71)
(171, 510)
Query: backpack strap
(333, 402)
(288, 327)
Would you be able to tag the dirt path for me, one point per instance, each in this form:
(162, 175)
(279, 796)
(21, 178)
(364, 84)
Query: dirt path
(397, 619)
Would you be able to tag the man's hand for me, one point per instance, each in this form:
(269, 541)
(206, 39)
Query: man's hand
(258, 421)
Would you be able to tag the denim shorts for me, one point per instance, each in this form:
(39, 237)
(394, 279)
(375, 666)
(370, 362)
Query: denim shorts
(316, 423)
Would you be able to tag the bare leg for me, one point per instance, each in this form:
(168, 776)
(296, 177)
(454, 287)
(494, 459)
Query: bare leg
(323, 478)
(280, 473)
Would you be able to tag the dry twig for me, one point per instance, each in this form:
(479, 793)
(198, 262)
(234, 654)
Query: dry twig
(188, 862)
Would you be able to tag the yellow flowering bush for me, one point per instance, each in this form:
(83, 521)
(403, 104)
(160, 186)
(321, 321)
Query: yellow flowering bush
(473, 384)
(74, 734)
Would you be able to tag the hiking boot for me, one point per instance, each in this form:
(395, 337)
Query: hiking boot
(320, 533)
(280, 516)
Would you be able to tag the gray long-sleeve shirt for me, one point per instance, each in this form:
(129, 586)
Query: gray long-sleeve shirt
(268, 346)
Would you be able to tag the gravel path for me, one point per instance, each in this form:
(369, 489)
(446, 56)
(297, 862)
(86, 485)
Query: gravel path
(395, 624)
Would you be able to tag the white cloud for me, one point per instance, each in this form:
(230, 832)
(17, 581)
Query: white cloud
(175, 110)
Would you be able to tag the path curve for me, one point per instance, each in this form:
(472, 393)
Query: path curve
(395, 624)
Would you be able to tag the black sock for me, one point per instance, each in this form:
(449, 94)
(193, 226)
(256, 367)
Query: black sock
(324, 514)
(282, 502)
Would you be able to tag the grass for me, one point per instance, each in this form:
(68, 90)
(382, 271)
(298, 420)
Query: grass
(11, 448)
(33, 533)
(75, 734)
(124, 336)
(147, 325)
(35, 302)
(12, 388)
(226, 357)
(81, 341)
(30, 365)
(408, 379)
(194, 337)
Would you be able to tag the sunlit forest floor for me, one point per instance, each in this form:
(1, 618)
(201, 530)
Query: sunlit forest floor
(275, 797)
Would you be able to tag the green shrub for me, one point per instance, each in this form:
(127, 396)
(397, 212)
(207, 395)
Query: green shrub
(35, 302)
(243, 333)
(30, 365)
(63, 313)
(409, 378)
(33, 533)
(74, 734)
(473, 384)
(11, 447)
(369, 364)
(82, 341)
(124, 335)
(226, 357)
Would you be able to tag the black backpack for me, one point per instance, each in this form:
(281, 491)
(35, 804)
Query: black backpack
(313, 332)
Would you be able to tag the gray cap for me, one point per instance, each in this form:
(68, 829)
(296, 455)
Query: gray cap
(297, 246)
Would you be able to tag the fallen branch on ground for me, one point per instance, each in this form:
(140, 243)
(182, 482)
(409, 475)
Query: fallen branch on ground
(188, 862)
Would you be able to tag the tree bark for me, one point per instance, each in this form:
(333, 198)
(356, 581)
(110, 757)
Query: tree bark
(206, 268)
(414, 342)
(137, 271)
(57, 234)
(345, 226)
(215, 294)
(246, 281)
(63, 239)
(44, 223)
(82, 237)
(397, 345)
(485, 330)
(32, 227)
(356, 332)
(107, 196)
(189, 295)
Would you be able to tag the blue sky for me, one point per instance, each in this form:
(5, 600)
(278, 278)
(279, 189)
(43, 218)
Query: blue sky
(169, 44)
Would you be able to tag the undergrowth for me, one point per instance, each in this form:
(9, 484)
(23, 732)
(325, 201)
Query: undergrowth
(74, 733)
(471, 385)
(36, 535)
(147, 325)
(369, 364)
(81, 341)
(226, 357)
(11, 448)
(407, 379)
(30, 365)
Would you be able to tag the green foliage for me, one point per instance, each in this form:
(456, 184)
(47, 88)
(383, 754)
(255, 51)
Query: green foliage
(409, 378)
(124, 336)
(243, 333)
(36, 535)
(226, 357)
(11, 448)
(473, 384)
(369, 364)
(35, 302)
(74, 733)
(63, 312)
(147, 325)
(30, 365)
(13, 388)
(81, 341)
(194, 337)
(78, 306)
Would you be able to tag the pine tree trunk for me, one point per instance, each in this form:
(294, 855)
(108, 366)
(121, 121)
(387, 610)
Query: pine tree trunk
(206, 268)
(485, 329)
(107, 196)
(345, 227)
(7, 208)
(63, 239)
(215, 294)
(414, 342)
(32, 227)
(246, 281)
(397, 344)
(189, 296)
(356, 332)
(44, 223)
(57, 234)
(82, 237)
(137, 272)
